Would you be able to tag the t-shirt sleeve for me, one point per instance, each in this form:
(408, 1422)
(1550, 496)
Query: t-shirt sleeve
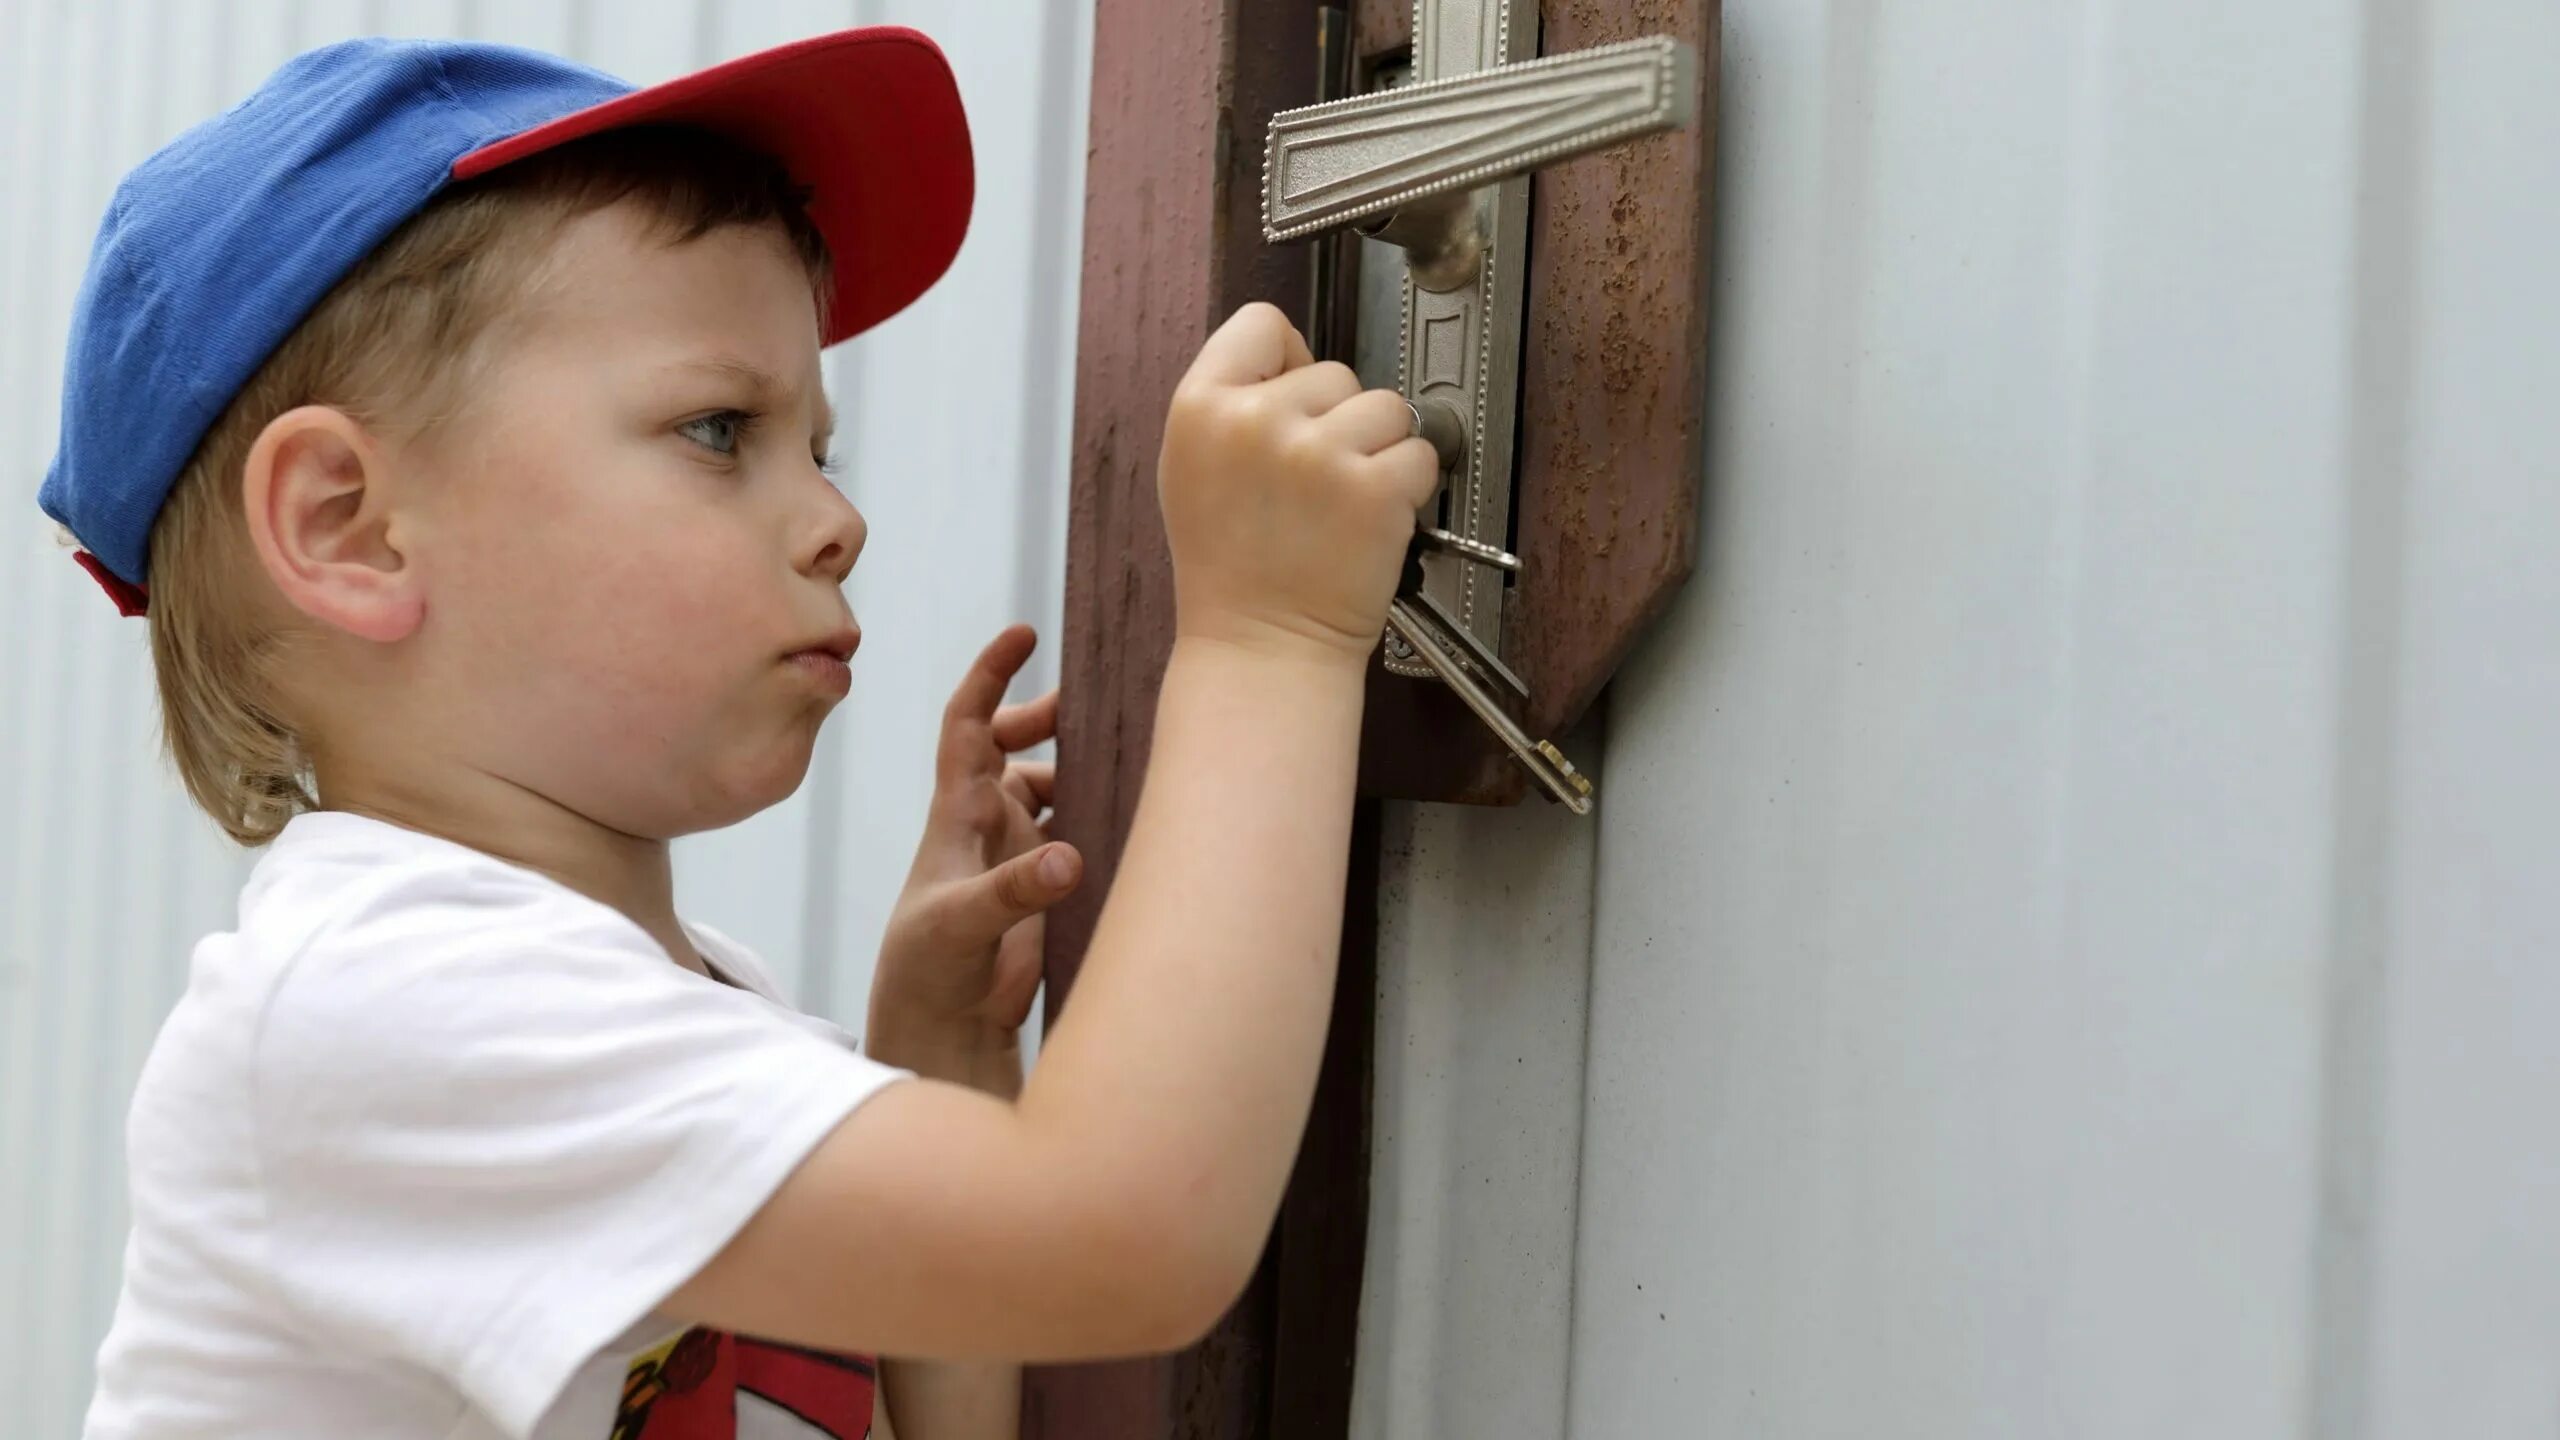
(496, 1130)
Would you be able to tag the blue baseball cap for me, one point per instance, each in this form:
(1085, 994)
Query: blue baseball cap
(216, 247)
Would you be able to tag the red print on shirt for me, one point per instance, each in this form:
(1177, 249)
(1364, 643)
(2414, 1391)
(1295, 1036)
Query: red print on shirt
(710, 1385)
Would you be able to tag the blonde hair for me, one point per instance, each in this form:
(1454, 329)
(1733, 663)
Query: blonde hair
(393, 344)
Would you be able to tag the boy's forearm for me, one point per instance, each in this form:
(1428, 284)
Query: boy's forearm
(950, 1399)
(1190, 1050)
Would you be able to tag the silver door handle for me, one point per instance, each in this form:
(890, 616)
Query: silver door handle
(1370, 156)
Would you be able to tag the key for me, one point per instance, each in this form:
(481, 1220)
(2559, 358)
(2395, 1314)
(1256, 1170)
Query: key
(1476, 550)
(1544, 762)
(1456, 638)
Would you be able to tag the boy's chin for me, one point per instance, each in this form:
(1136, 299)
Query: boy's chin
(752, 789)
(679, 799)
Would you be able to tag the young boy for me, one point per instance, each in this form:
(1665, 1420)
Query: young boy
(455, 412)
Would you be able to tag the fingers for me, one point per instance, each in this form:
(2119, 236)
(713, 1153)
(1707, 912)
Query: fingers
(982, 689)
(979, 910)
(1370, 421)
(1318, 388)
(1019, 727)
(1027, 884)
(1296, 344)
(1256, 343)
(1017, 789)
(1032, 784)
(1408, 469)
(963, 750)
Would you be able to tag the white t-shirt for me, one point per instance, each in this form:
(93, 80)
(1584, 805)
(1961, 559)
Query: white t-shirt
(424, 1142)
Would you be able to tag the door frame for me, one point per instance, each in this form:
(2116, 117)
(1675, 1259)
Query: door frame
(1172, 246)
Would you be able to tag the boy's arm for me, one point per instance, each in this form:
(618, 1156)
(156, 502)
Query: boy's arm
(1121, 1204)
(954, 1399)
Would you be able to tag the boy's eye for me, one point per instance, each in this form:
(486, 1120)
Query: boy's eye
(720, 432)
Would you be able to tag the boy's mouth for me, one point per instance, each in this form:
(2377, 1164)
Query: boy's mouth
(838, 647)
(826, 662)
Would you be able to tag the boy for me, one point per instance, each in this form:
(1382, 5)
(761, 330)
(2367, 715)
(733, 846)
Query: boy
(454, 412)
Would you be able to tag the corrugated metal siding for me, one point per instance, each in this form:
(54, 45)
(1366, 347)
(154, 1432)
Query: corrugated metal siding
(2073, 937)
(1484, 986)
(955, 443)
(2074, 931)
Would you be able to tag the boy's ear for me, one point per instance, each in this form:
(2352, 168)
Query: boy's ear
(319, 500)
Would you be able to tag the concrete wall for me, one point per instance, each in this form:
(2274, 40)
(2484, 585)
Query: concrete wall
(955, 449)
(2071, 948)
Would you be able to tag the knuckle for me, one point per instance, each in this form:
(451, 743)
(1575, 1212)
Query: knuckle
(1246, 409)
(1197, 405)
(1305, 447)
(978, 809)
(1250, 417)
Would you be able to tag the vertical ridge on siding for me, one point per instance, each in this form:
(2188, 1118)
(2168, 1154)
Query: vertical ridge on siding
(22, 257)
(2372, 599)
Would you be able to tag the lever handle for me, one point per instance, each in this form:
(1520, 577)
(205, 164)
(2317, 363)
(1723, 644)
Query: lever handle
(1370, 155)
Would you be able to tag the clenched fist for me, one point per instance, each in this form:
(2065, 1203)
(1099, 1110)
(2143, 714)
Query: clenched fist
(1289, 493)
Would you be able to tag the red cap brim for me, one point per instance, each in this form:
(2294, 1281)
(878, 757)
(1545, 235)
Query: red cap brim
(131, 599)
(869, 120)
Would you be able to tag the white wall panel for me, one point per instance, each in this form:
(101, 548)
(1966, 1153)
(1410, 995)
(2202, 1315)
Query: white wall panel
(2465, 1267)
(107, 877)
(2072, 936)
(1484, 978)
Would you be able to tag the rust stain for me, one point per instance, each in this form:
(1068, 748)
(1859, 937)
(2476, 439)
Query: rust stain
(1381, 27)
(1613, 378)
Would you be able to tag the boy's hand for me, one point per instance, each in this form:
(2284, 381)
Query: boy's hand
(1289, 493)
(960, 959)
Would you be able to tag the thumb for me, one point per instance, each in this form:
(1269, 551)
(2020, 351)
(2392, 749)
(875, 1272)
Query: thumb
(979, 910)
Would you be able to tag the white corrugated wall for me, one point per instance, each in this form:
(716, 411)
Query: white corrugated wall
(2069, 944)
(954, 436)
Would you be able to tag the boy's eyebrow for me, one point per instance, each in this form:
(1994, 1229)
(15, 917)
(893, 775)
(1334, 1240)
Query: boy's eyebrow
(763, 383)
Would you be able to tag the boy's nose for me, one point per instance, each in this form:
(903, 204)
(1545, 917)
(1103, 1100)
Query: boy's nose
(833, 539)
